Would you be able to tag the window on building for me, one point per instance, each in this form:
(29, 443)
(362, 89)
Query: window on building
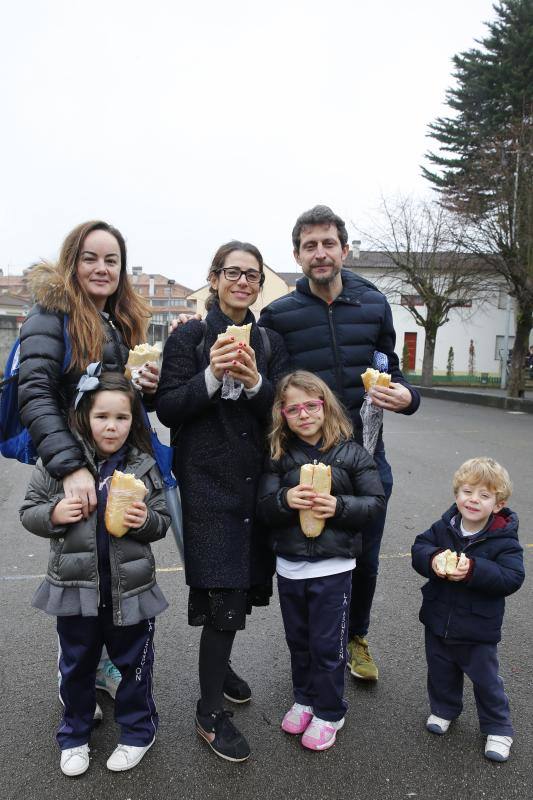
(411, 300)
(462, 303)
(499, 349)
(503, 294)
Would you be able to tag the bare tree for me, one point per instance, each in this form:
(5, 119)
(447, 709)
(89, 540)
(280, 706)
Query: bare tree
(428, 268)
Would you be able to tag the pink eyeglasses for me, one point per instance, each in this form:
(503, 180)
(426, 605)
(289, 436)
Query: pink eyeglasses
(311, 407)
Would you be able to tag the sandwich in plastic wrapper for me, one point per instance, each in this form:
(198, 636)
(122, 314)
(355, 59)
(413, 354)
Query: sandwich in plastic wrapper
(232, 388)
(124, 490)
(371, 415)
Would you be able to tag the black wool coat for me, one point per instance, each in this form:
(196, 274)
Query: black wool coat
(219, 451)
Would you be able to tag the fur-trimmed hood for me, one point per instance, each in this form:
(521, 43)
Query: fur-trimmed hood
(48, 288)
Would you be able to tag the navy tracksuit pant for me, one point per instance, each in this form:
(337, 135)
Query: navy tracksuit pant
(315, 615)
(130, 648)
(447, 666)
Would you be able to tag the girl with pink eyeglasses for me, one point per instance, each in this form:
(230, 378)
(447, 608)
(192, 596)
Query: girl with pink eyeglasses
(314, 574)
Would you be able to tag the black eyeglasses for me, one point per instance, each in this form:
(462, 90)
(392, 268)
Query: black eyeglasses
(234, 274)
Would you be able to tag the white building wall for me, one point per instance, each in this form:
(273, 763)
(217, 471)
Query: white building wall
(482, 324)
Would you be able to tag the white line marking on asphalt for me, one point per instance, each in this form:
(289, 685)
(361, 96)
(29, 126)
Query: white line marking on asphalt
(177, 568)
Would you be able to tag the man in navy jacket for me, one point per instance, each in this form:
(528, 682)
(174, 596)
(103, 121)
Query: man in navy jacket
(332, 324)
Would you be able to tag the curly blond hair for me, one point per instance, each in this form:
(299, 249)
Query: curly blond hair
(486, 472)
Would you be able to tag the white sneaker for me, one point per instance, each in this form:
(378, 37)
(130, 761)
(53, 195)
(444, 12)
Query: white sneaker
(75, 760)
(498, 748)
(437, 724)
(108, 677)
(126, 756)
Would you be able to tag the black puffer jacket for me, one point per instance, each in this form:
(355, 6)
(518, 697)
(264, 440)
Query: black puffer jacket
(337, 341)
(355, 483)
(44, 392)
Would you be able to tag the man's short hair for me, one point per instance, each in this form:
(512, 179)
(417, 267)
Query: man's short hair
(485, 472)
(318, 215)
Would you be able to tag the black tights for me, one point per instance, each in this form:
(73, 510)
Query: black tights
(215, 651)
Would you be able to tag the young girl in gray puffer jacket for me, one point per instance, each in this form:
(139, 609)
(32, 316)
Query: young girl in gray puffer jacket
(102, 588)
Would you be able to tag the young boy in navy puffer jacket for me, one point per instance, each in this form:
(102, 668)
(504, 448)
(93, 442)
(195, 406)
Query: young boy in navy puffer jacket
(463, 607)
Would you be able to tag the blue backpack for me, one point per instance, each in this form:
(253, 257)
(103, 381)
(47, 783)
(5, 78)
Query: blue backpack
(15, 440)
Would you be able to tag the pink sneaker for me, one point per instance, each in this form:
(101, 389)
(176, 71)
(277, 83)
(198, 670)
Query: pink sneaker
(321, 734)
(297, 718)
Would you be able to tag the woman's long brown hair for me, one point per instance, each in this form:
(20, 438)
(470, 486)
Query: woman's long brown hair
(129, 310)
(337, 427)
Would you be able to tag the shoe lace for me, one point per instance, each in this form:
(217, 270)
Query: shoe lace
(122, 748)
(77, 751)
(361, 651)
(222, 717)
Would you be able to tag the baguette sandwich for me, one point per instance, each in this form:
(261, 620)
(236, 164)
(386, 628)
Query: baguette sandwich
(319, 477)
(124, 490)
(373, 377)
(142, 353)
(448, 561)
(240, 332)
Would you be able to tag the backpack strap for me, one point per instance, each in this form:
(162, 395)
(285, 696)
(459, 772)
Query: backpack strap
(67, 358)
(267, 347)
(200, 346)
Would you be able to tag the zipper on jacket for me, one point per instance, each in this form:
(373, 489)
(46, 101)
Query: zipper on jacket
(119, 608)
(97, 565)
(463, 549)
(116, 343)
(338, 373)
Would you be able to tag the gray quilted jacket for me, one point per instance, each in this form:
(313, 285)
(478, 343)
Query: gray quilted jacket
(73, 560)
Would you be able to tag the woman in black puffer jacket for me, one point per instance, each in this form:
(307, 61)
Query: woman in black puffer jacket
(106, 318)
(87, 296)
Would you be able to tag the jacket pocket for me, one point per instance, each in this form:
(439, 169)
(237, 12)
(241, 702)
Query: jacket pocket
(486, 610)
(430, 590)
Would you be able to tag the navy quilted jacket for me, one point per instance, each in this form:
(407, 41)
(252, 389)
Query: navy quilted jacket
(470, 610)
(337, 341)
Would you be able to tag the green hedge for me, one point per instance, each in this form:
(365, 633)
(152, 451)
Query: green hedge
(458, 380)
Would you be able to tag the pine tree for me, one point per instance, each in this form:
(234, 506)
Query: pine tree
(484, 168)
(406, 358)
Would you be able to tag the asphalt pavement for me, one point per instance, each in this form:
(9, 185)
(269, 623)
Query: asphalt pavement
(383, 751)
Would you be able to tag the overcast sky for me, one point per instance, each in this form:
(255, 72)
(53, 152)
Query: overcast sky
(187, 124)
